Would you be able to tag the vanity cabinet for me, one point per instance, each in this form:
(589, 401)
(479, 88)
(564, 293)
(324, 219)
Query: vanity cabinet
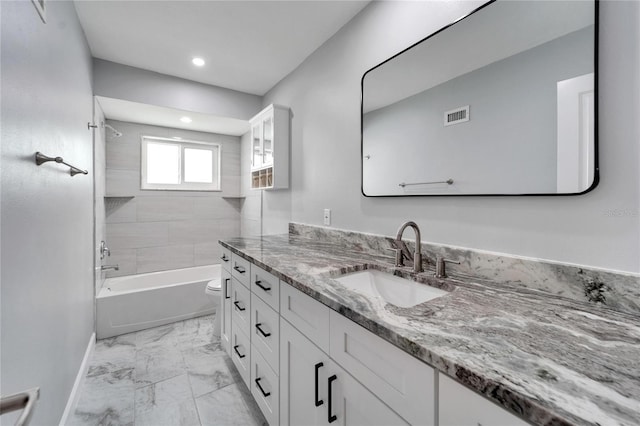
(477, 411)
(305, 363)
(315, 390)
(270, 148)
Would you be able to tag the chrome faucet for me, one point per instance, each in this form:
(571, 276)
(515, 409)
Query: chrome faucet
(109, 267)
(403, 252)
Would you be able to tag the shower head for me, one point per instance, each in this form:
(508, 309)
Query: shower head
(115, 134)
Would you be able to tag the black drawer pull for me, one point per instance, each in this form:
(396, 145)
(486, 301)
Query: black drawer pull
(331, 417)
(265, 394)
(262, 331)
(240, 269)
(318, 402)
(238, 307)
(259, 284)
(235, 348)
(224, 258)
(226, 288)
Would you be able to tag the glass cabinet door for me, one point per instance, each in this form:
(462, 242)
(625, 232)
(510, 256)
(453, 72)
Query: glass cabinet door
(267, 141)
(256, 146)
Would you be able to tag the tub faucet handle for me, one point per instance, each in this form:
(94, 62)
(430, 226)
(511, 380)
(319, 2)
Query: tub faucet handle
(104, 250)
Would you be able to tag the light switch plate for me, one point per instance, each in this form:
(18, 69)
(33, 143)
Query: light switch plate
(327, 217)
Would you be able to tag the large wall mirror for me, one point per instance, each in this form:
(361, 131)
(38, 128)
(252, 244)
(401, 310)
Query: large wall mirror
(501, 102)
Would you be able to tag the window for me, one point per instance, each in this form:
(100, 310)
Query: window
(170, 164)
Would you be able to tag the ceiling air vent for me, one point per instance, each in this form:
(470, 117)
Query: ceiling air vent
(455, 116)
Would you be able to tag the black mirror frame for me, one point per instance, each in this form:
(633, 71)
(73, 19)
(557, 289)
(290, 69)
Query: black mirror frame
(596, 171)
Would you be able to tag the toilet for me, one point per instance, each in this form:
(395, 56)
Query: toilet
(214, 293)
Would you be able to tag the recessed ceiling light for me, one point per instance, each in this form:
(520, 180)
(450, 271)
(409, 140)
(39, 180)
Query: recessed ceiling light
(185, 120)
(198, 62)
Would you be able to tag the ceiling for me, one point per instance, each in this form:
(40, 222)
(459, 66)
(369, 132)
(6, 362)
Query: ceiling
(498, 31)
(247, 45)
(134, 112)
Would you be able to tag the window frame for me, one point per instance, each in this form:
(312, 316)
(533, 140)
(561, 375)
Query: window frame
(215, 186)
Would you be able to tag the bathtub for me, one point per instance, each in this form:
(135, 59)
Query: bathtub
(135, 302)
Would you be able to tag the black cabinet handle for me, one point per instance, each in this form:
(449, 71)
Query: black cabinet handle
(331, 417)
(235, 348)
(224, 258)
(238, 306)
(259, 284)
(240, 269)
(265, 394)
(318, 402)
(226, 288)
(262, 331)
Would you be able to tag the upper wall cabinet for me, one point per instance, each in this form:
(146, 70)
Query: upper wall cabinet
(501, 102)
(270, 148)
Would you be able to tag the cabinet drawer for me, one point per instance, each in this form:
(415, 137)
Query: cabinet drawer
(265, 387)
(241, 307)
(225, 258)
(241, 353)
(309, 316)
(404, 383)
(266, 286)
(240, 269)
(265, 329)
(478, 411)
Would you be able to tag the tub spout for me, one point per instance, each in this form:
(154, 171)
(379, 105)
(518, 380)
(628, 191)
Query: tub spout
(109, 267)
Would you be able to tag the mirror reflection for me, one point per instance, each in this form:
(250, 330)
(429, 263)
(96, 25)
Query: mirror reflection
(501, 102)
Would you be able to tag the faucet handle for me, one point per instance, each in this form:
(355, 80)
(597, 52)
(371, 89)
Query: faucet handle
(440, 266)
(398, 256)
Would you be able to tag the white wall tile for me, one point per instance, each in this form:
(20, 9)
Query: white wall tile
(207, 253)
(164, 258)
(137, 235)
(164, 208)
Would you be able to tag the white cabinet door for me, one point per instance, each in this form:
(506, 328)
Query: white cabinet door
(350, 404)
(459, 406)
(303, 379)
(256, 145)
(225, 314)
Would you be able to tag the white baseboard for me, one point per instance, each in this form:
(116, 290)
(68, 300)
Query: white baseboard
(72, 402)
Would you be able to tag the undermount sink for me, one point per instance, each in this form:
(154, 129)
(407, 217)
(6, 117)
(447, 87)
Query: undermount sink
(393, 289)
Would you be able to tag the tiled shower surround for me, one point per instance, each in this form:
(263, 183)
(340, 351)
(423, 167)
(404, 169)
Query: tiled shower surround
(153, 230)
(610, 289)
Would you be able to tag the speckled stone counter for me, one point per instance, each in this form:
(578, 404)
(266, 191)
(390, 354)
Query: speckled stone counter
(550, 360)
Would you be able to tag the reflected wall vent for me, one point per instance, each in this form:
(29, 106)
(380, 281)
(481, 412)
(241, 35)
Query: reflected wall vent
(455, 116)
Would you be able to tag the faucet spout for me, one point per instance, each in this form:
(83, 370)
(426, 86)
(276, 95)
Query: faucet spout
(109, 267)
(417, 255)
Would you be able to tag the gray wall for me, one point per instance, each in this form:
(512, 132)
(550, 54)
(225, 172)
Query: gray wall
(162, 230)
(600, 229)
(119, 81)
(509, 145)
(47, 230)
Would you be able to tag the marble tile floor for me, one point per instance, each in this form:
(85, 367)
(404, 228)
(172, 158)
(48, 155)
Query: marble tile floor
(173, 375)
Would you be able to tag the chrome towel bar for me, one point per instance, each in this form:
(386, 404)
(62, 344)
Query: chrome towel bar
(73, 170)
(448, 182)
(23, 400)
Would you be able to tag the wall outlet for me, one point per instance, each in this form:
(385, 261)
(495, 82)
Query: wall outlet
(327, 217)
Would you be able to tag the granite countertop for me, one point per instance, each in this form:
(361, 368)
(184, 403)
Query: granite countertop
(550, 360)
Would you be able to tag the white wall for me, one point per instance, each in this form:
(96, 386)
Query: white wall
(600, 229)
(47, 230)
(119, 81)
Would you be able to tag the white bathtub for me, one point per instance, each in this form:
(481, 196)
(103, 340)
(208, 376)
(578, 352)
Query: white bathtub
(135, 302)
